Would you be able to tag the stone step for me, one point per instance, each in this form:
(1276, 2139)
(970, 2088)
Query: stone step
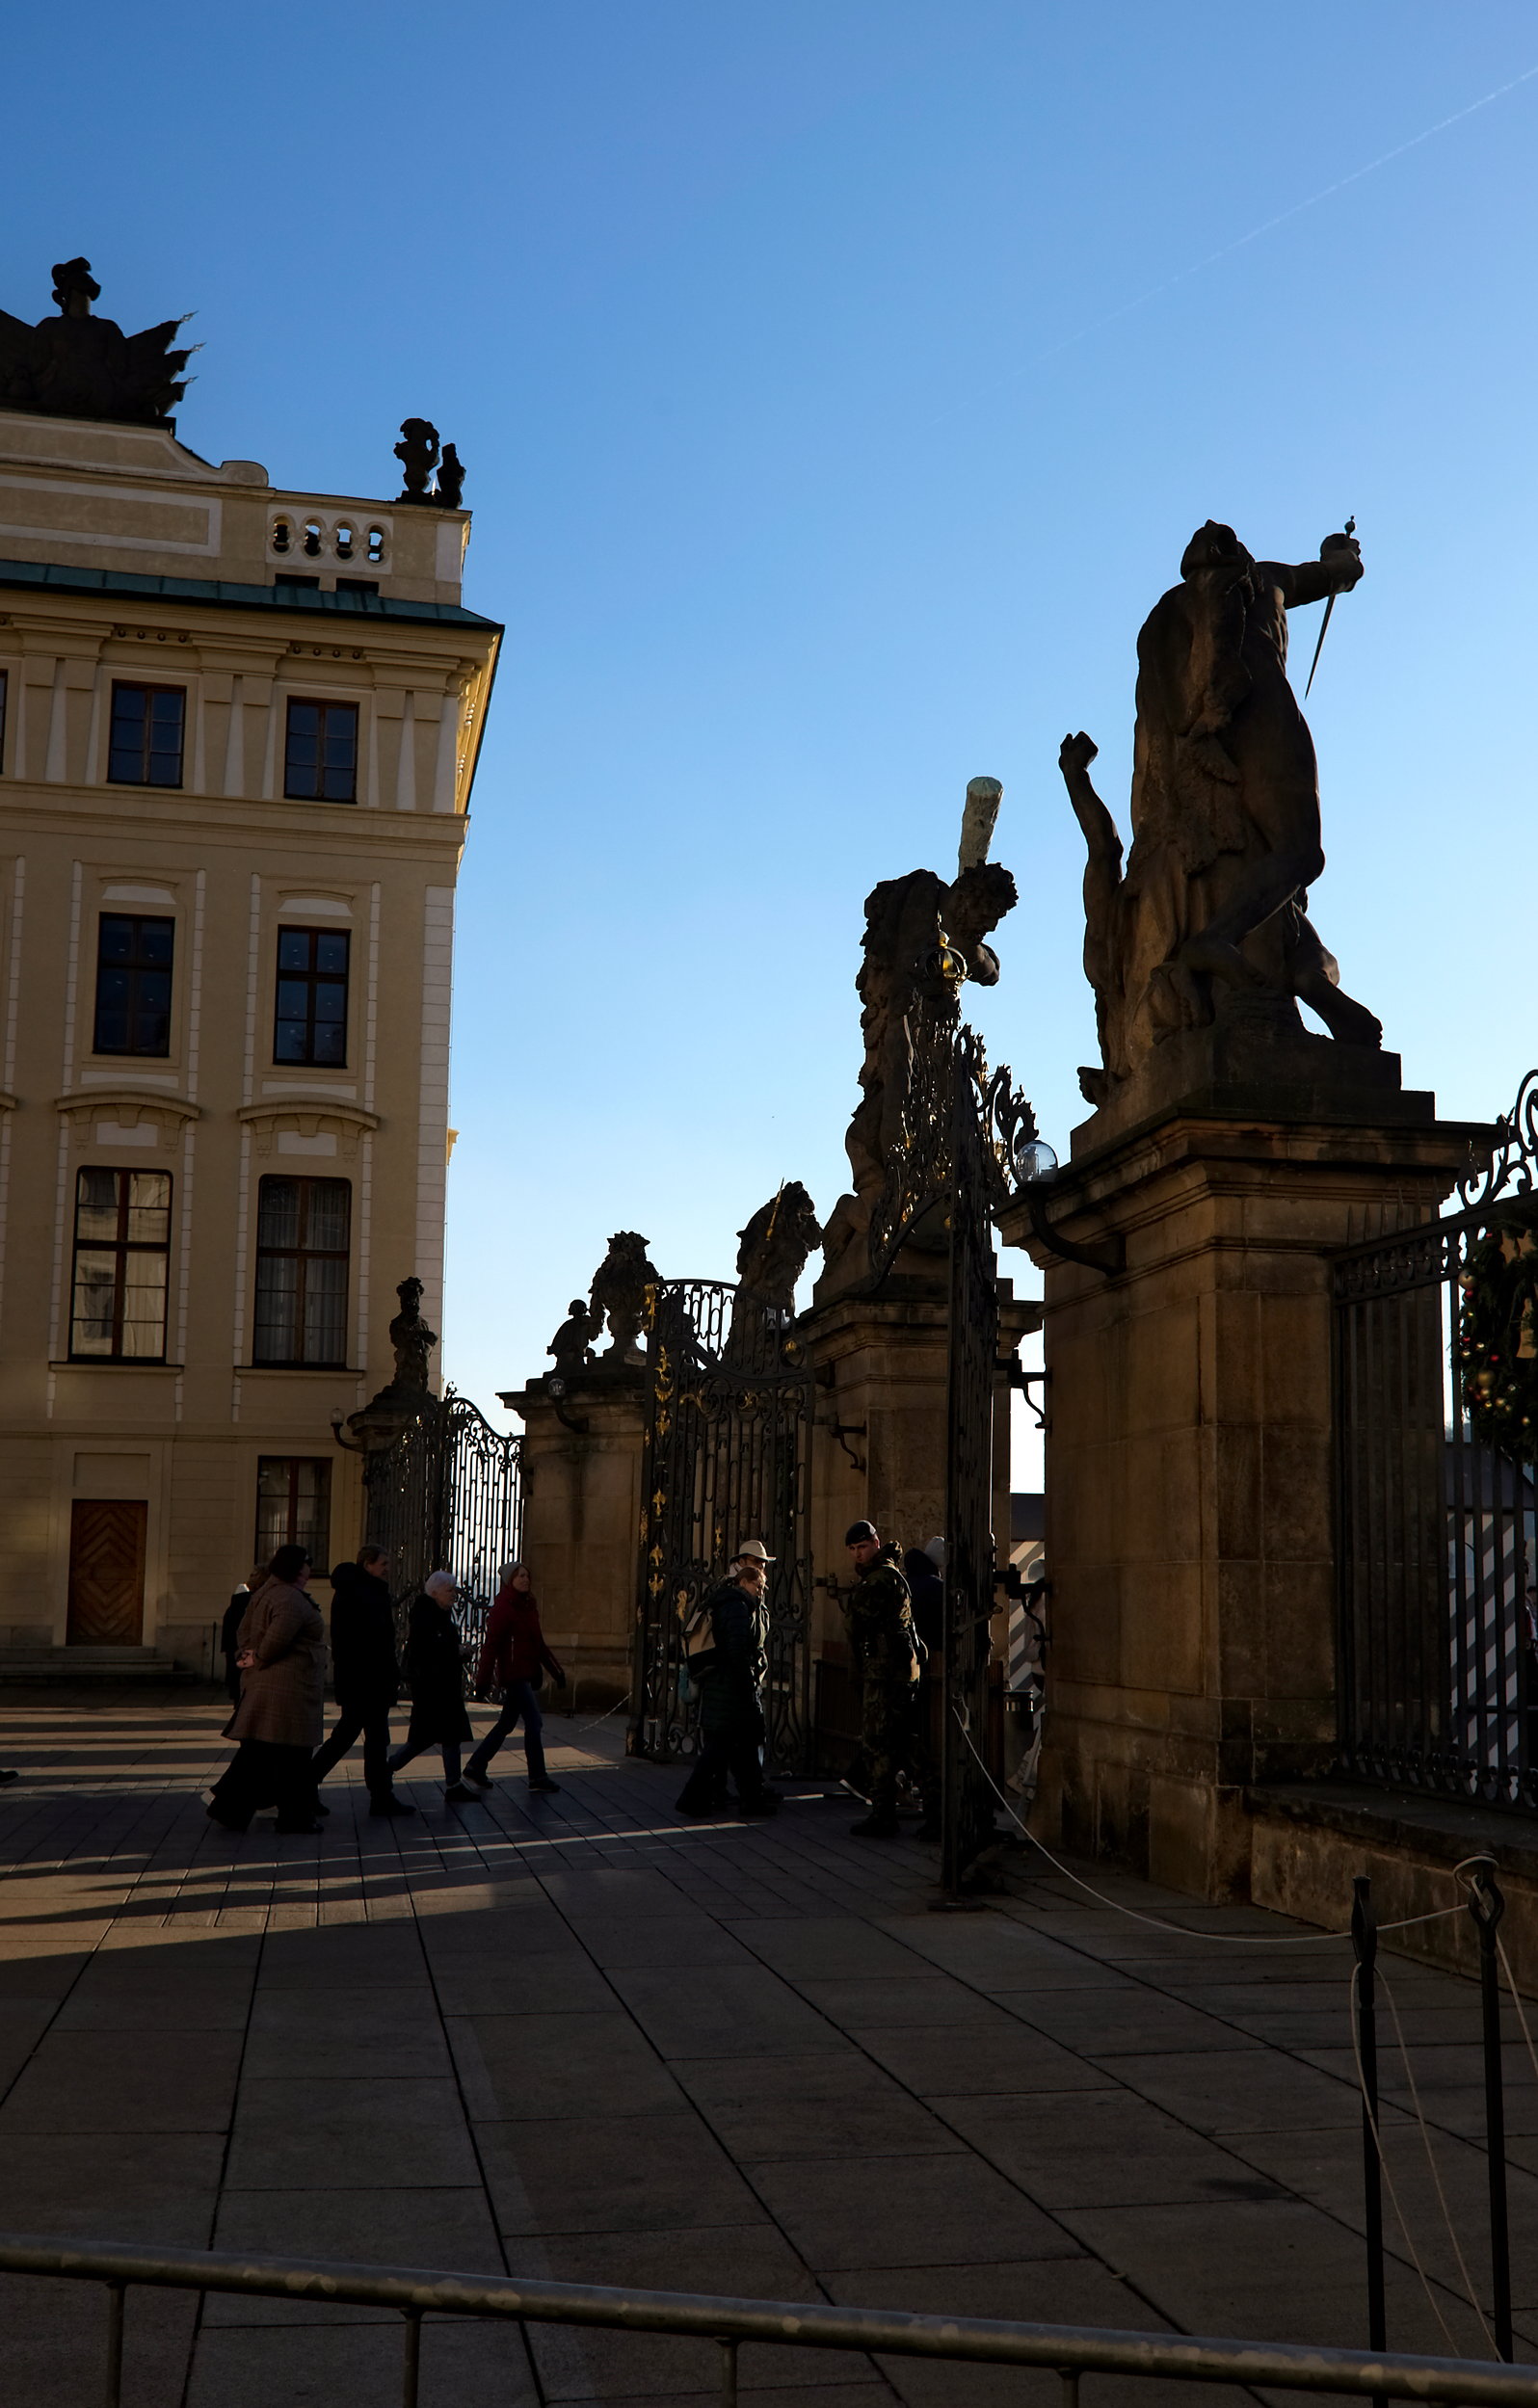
(89, 1663)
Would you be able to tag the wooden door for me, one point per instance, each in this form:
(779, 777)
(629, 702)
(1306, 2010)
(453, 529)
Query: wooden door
(106, 1573)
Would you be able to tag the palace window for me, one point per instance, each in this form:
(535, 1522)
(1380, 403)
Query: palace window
(319, 757)
(310, 1021)
(147, 725)
(133, 984)
(302, 1227)
(122, 1242)
(293, 1506)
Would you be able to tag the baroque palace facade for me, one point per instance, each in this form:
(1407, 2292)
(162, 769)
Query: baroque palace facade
(238, 731)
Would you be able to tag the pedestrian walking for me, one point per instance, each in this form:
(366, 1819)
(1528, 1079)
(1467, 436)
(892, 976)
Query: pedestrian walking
(365, 1676)
(729, 1671)
(513, 1660)
(889, 1654)
(278, 1723)
(230, 1630)
(435, 1667)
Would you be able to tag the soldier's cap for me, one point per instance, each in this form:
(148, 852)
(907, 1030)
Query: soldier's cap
(858, 1532)
(754, 1551)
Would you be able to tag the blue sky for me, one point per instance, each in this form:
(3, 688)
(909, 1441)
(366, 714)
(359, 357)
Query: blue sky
(838, 385)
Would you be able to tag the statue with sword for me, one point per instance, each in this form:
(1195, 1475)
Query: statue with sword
(1225, 813)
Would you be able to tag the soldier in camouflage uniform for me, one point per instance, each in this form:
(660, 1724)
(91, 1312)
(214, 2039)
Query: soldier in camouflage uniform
(887, 1655)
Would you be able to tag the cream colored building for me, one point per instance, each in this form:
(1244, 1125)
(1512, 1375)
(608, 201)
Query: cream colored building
(238, 730)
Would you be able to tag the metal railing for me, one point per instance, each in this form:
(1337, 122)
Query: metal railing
(1070, 2350)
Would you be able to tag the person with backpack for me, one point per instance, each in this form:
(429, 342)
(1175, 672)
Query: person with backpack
(514, 1659)
(725, 1654)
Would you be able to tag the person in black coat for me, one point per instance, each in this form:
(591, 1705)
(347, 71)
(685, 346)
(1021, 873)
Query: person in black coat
(365, 1676)
(926, 1595)
(435, 1667)
(728, 1674)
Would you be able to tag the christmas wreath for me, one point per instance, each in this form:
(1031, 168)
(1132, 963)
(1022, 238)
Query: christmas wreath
(1497, 1339)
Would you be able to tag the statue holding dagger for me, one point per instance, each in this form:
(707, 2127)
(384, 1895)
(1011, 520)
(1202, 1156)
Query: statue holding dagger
(1225, 813)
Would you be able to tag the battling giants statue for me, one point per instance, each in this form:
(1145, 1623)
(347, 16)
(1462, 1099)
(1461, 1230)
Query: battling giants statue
(922, 939)
(1211, 913)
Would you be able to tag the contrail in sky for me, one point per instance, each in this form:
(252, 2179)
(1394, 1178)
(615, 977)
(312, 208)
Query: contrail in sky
(1282, 216)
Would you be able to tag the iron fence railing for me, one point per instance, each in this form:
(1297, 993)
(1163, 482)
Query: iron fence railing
(1071, 2351)
(1435, 1562)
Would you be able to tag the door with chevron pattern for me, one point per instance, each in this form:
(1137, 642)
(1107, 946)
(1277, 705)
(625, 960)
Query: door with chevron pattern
(106, 1573)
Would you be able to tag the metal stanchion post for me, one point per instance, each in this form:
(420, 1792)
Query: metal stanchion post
(1487, 1906)
(1364, 1942)
(117, 2294)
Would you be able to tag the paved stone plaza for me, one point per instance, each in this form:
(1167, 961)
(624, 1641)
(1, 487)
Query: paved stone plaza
(580, 2038)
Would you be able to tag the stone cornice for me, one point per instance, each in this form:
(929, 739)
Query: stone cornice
(182, 814)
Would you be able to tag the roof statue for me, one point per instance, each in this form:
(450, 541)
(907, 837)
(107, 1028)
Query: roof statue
(77, 366)
(418, 455)
(1210, 921)
(449, 490)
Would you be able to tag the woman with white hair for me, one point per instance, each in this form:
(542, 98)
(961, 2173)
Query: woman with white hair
(434, 1668)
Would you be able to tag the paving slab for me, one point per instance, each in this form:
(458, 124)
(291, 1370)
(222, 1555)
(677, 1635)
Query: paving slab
(1101, 2148)
(861, 2210)
(611, 2174)
(720, 2006)
(309, 2130)
(836, 2104)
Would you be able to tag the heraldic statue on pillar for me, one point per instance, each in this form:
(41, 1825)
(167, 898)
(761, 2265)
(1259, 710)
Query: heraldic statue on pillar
(1209, 919)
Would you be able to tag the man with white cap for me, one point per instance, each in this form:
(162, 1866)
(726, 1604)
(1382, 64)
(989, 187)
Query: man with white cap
(727, 1665)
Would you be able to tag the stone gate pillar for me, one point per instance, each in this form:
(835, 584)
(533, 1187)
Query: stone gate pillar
(1189, 1467)
(878, 1440)
(581, 1512)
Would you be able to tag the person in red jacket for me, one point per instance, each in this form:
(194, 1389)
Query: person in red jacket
(513, 1658)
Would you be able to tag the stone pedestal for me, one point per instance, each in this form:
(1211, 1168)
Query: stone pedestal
(581, 1512)
(879, 1443)
(1190, 1459)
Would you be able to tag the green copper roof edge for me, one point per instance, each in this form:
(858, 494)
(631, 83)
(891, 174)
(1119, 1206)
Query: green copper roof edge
(219, 594)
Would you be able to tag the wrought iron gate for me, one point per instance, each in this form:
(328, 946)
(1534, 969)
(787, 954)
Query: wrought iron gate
(1438, 1678)
(448, 1496)
(727, 1457)
(972, 1348)
(969, 1143)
